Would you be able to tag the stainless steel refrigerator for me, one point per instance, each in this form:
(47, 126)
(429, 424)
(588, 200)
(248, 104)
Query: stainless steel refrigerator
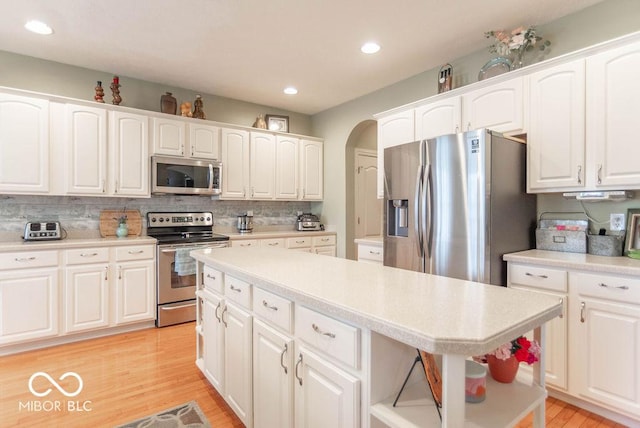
(455, 204)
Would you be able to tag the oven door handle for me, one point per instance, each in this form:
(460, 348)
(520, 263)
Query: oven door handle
(173, 308)
(173, 250)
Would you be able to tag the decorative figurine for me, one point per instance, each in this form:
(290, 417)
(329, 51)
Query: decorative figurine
(198, 113)
(99, 93)
(185, 109)
(168, 104)
(115, 89)
(260, 122)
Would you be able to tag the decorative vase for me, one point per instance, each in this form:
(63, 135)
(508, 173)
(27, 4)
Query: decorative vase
(518, 59)
(122, 231)
(503, 370)
(168, 104)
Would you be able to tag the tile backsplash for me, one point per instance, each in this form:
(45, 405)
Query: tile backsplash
(78, 214)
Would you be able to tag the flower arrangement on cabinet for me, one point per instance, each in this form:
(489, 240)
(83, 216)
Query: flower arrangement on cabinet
(523, 349)
(516, 42)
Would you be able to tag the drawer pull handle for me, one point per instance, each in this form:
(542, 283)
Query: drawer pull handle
(273, 244)
(284, 351)
(582, 308)
(266, 305)
(319, 331)
(299, 242)
(536, 276)
(296, 370)
(325, 239)
(25, 259)
(246, 245)
(136, 252)
(211, 277)
(88, 254)
(562, 303)
(237, 290)
(619, 287)
(216, 312)
(106, 273)
(377, 253)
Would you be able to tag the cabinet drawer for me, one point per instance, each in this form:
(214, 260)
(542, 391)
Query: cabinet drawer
(245, 243)
(319, 241)
(87, 255)
(28, 259)
(275, 309)
(538, 277)
(299, 242)
(369, 252)
(335, 338)
(135, 252)
(619, 288)
(237, 290)
(273, 243)
(212, 279)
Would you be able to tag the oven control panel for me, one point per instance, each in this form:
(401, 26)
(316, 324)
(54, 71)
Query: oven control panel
(167, 219)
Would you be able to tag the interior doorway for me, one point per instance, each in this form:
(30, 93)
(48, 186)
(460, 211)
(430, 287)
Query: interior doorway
(367, 206)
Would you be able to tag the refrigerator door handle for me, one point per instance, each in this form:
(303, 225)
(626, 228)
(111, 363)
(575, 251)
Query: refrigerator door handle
(427, 214)
(417, 224)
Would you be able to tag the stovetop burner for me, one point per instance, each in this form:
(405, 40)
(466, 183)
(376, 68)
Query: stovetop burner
(182, 227)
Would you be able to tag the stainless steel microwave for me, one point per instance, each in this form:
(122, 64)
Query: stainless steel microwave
(185, 176)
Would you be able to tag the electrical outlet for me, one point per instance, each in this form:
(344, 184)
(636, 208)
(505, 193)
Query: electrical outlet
(616, 222)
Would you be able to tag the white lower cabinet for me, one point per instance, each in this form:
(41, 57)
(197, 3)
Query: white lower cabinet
(86, 290)
(325, 395)
(135, 300)
(213, 331)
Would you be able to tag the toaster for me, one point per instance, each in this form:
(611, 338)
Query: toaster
(42, 231)
(308, 221)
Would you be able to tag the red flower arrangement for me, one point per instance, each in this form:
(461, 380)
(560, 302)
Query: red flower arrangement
(523, 349)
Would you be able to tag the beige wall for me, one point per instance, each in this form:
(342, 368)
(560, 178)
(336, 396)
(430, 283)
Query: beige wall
(604, 21)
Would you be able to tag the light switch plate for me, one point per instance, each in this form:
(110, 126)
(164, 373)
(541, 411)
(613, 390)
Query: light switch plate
(616, 222)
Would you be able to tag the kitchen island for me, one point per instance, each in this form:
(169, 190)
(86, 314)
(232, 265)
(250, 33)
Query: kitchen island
(365, 323)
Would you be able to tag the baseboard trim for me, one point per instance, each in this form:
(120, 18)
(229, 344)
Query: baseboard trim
(593, 408)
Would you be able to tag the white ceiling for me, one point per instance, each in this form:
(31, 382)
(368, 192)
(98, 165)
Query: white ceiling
(250, 50)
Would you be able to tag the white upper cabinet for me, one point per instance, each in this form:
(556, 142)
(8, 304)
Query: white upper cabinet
(498, 107)
(438, 118)
(86, 142)
(613, 90)
(129, 154)
(287, 167)
(235, 163)
(169, 136)
(263, 165)
(204, 141)
(556, 132)
(24, 144)
(311, 170)
(394, 129)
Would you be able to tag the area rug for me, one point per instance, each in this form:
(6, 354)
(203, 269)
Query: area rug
(186, 415)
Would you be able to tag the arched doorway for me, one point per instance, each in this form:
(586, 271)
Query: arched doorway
(363, 209)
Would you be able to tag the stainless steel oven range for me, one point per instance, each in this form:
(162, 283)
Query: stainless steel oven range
(178, 233)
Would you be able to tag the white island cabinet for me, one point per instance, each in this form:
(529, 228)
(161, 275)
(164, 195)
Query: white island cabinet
(333, 339)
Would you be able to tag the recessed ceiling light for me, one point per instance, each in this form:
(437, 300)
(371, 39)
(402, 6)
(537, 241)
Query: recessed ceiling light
(290, 90)
(370, 48)
(38, 27)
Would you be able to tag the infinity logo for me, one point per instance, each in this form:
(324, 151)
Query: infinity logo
(54, 383)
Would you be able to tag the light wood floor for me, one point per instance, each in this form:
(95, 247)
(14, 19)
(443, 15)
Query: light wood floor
(137, 374)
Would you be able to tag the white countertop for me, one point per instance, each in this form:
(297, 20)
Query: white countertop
(63, 244)
(375, 241)
(276, 234)
(604, 264)
(433, 313)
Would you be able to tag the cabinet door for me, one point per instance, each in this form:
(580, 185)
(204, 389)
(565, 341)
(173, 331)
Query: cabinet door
(605, 344)
(556, 138)
(129, 142)
(214, 341)
(287, 167)
(498, 107)
(613, 89)
(135, 292)
(438, 118)
(204, 141)
(86, 139)
(86, 297)
(395, 129)
(311, 170)
(235, 163)
(24, 144)
(272, 377)
(238, 362)
(28, 305)
(263, 166)
(168, 137)
(325, 396)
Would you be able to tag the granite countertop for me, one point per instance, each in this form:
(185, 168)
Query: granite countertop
(370, 240)
(580, 261)
(67, 243)
(433, 313)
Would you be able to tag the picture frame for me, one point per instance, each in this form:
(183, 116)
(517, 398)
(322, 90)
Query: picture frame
(277, 123)
(632, 241)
